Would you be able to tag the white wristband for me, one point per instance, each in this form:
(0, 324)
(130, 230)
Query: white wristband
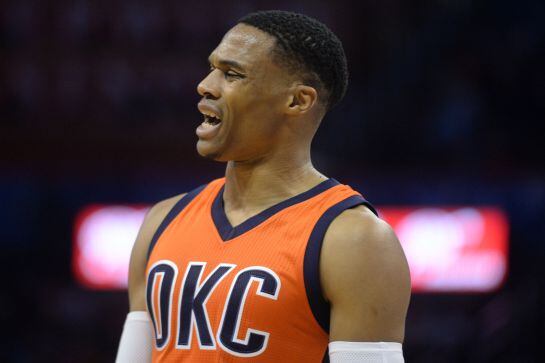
(136, 339)
(364, 352)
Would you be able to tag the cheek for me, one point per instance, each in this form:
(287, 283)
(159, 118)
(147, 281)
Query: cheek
(255, 112)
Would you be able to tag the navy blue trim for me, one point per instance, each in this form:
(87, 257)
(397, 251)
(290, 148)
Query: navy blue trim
(228, 232)
(311, 263)
(326, 356)
(178, 207)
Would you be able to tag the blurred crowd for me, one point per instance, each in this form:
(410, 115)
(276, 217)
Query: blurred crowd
(452, 84)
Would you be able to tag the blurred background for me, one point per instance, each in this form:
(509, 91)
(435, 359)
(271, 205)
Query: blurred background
(98, 105)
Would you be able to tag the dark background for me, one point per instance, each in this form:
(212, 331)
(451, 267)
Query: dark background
(98, 104)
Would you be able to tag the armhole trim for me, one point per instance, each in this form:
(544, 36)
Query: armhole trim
(311, 264)
(178, 207)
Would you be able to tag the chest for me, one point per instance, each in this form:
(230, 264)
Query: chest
(206, 292)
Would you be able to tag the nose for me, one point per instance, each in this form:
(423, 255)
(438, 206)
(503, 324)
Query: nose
(207, 87)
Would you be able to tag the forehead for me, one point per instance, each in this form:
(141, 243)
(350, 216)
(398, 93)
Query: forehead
(244, 44)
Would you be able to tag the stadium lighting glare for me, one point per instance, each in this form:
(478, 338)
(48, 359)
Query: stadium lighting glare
(452, 249)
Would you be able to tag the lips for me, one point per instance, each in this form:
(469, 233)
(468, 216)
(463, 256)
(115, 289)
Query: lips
(210, 110)
(209, 128)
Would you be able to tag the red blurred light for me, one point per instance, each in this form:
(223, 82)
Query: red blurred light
(104, 236)
(456, 249)
(452, 249)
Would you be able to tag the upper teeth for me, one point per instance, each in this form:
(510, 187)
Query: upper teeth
(210, 114)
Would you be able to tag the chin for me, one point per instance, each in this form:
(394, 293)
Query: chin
(208, 152)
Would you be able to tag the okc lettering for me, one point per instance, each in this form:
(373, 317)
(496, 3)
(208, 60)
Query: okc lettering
(194, 293)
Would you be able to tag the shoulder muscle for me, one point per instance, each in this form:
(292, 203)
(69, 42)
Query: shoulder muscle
(139, 254)
(365, 277)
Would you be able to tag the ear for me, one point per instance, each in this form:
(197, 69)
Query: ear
(302, 99)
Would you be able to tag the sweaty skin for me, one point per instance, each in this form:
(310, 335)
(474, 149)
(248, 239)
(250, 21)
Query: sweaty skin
(268, 120)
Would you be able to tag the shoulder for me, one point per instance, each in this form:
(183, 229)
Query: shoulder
(159, 211)
(154, 217)
(358, 234)
(139, 254)
(364, 275)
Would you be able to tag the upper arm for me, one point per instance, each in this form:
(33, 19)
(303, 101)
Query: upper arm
(365, 277)
(139, 254)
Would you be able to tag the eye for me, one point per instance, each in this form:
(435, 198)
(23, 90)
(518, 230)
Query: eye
(232, 74)
(228, 74)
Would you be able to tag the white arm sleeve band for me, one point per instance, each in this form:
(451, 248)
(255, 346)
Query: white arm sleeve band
(136, 339)
(352, 352)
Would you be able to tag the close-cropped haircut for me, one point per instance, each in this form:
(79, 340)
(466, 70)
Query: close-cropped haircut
(307, 47)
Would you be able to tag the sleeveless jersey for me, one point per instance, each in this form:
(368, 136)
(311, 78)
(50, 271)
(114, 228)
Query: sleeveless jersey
(251, 293)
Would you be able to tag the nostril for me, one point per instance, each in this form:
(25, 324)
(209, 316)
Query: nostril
(206, 92)
(209, 96)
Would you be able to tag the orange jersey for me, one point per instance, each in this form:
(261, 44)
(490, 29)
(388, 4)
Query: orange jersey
(218, 293)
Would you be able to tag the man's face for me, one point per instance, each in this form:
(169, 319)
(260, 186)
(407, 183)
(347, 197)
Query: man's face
(243, 97)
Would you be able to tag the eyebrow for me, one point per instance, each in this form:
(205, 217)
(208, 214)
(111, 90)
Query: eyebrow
(227, 62)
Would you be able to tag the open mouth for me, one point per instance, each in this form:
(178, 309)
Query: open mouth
(211, 116)
(211, 124)
(212, 119)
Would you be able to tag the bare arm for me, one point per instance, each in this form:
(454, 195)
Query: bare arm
(139, 255)
(365, 277)
(135, 345)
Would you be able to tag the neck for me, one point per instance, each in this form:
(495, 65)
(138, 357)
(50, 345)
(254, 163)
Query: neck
(262, 182)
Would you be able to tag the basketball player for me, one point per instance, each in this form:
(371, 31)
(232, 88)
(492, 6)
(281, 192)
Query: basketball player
(274, 262)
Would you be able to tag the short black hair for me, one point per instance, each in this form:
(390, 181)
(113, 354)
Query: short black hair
(307, 46)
